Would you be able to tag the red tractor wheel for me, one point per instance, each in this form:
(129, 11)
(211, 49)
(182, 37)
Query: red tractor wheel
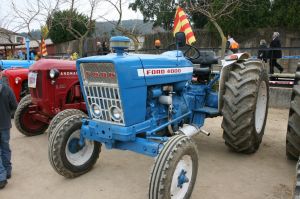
(25, 123)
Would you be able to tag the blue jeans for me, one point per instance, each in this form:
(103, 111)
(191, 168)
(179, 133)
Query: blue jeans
(5, 154)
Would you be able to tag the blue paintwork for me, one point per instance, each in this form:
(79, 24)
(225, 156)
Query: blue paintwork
(146, 119)
(6, 64)
(182, 178)
(27, 48)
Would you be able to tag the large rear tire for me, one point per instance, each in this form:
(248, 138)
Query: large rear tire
(25, 123)
(66, 156)
(293, 128)
(175, 170)
(296, 194)
(245, 107)
(60, 116)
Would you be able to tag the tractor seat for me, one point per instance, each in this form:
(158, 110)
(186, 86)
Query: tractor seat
(206, 59)
(202, 71)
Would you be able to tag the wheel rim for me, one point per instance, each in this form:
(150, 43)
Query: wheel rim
(29, 123)
(182, 177)
(80, 155)
(261, 107)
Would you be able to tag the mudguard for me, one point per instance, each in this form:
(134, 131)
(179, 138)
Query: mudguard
(226, 68)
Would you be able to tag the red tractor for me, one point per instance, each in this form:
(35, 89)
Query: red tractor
(16, 79)
(54, 87)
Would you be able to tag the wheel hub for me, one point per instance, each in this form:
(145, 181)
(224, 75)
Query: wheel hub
(74, 145)
(77, 153)
(182, 178)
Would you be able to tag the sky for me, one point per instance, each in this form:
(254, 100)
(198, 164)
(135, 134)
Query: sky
(8, 21)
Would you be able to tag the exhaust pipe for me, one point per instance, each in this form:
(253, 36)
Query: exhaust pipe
(190, 130)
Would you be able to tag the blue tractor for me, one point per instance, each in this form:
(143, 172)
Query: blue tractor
(154, 104)
(7, 64)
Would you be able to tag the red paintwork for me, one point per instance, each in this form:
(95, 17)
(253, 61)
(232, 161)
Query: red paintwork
(50, 97)
(13, 73)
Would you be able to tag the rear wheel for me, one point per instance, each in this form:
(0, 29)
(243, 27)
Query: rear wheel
(293, 128)
(245, 107)
(175, 170)
(25, 123)
(296, 194)
(67, 156)
(60, 116)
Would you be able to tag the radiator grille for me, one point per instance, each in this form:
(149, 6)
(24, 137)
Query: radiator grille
(99, 73)
(38, 91)
(101, 89)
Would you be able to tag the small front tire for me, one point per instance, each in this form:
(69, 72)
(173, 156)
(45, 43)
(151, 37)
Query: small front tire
(25, 123)
(60, 116)
(66, 156)
(175, 170)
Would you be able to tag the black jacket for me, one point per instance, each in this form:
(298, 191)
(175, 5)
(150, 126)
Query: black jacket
(263, 52)
(275, 54)
(8, 104)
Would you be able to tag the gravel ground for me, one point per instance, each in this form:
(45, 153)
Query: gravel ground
(222, 174)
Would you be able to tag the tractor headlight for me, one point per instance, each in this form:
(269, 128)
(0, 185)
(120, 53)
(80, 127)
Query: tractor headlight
(17, 80)
(115, 113)
(96, 110)
(54, 73)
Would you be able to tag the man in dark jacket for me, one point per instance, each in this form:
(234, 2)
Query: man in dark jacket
(263, 51)
(275, 53)
(8, 104)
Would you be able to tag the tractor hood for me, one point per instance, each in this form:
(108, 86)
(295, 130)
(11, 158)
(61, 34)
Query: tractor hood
(167, 67)
(48, 64)
(140, 69)
(15, 71)
(5, 64)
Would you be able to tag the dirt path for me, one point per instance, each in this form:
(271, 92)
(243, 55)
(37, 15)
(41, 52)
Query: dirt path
(125, 175)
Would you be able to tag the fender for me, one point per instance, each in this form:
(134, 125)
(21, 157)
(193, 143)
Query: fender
(226, 68)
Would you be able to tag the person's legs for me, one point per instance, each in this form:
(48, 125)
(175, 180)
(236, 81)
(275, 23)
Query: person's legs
(6, 152)
(271, 66)
(2, 168)
(278, 66)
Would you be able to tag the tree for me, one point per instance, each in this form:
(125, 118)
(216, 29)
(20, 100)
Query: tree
(132, 33)
(33, 11)
(161, 12)
(285, 14)
(72, 25)
(215, 10)
(59, 32)
(251, 17)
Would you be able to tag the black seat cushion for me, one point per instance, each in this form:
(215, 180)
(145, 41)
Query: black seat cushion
(206, 58)
(202, 71)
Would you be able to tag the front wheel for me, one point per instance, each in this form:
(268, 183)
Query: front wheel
(67, 156)
(60, 116)
(25, 123)
(175, 170)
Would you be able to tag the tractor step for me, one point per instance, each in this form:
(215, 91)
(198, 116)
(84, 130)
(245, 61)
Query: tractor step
(210, 112)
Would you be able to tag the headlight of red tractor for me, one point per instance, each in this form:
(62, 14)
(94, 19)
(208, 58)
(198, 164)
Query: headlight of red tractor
(54, 73)
(17, 80)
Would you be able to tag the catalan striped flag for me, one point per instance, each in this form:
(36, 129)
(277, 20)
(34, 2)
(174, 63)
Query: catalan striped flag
(182, 24)
(43, 47)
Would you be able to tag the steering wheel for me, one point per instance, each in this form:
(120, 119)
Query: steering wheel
(190, 52)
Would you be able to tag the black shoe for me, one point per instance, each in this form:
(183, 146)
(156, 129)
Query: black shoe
(3, 184)
(8, 176)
